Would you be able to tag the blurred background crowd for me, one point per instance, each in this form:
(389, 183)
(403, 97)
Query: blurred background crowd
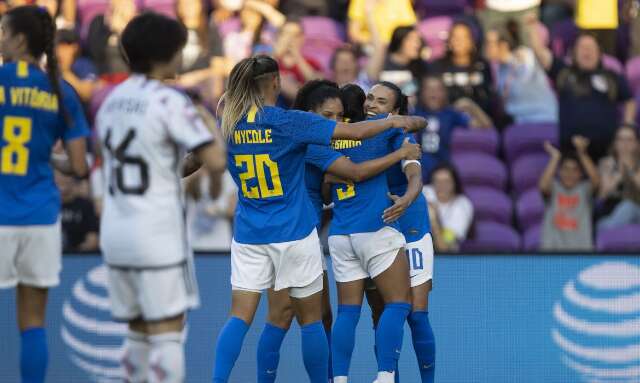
(532, 141)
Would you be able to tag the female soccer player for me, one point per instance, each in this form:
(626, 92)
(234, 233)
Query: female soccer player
(410, 209)
(36, 110)
(275, 241)
(364, 242)
(145, 127)
(321, 97)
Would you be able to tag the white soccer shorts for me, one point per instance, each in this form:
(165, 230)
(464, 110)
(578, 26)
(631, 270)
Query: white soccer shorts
(152, 293)
(364, 255)
(30, 255)
(295, 265)
(420, 258)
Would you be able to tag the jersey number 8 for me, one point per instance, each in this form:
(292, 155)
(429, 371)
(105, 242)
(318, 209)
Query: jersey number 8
(122, 160)
(256, 165)
(16, 131)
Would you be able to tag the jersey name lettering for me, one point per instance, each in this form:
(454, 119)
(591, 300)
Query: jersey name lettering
(345, 144)
(252, 136)
(30, 97)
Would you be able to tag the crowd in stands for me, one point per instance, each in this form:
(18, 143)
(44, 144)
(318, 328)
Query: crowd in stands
(532, 105)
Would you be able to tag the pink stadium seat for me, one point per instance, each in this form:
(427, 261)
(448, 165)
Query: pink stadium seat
(322, 36)
(166, 7)
(612, 63)
(96, 100)
(435, 32)
(87, 10)
(633, 74)
(231, 25)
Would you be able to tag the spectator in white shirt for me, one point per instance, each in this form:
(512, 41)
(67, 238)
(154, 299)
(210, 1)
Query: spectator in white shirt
(453, 210)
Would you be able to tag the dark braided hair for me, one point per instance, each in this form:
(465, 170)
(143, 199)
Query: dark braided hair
(314, 93)
(401, 102)
(353, 98)
(39, 30)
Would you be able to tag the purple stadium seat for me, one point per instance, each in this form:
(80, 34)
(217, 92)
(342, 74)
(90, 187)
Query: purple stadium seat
(532, 238)
(322, 36)
(97, 99)
(625, 238)
(493, 237)
(478, 169)
(87, 10)
(612, 63)
(431, 8)
(435, 32)
(490, 204)
(529, 209)
(228, 26)
(527, 138)
(563, 34)
(165, 7)
(633, 74)
(526, 171)
(475, 140)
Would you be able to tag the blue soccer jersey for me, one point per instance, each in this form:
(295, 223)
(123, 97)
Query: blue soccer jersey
(318, 160)
(359, 207)
(267, 161)
(31, 122)
(414, 223)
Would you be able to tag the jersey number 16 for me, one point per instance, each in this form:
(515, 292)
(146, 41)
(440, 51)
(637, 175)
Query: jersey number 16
(122, 159)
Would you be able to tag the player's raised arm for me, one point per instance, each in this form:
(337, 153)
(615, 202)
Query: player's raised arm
(366, 129)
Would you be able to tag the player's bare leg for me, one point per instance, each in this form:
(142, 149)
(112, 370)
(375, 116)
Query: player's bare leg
(280, 308)
(32, 306)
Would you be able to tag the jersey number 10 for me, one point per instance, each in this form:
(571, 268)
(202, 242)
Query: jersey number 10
(122, 159)
(256, 165)
(16, 131)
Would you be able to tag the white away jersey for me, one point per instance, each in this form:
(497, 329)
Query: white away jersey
(145, 130)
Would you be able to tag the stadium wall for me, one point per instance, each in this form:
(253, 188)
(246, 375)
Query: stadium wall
(497, 319)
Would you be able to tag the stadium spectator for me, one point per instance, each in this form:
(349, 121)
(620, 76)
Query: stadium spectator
(211, 205)
(465, 73)
(295, 68)
(78, 71)
(620, 180)
(257, 21)
(588, 93)
(346, 69)
(62, 11)
(403, 63)
(499, 12)
(567, 224)
(387, 15)
(442, 120)
(203, 66)
(103, 40)
(600, 18)
(452, 209)
(633, 14)
(78, 217)
(521, 82)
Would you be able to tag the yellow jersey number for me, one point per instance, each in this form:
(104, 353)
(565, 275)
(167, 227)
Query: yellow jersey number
(256, 166)
(346, 192)
(16, 131)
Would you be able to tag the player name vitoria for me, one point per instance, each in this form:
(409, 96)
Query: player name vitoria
(252, 136)
(345, 144)
(30, 97)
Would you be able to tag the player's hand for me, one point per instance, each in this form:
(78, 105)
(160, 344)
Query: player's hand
(409, 123)
(411, 151)
(393, 213)
(552, 150)
(581, 143)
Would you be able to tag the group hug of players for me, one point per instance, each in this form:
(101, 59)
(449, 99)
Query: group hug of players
(336, 145)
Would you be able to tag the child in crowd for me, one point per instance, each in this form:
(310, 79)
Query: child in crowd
(568, 220)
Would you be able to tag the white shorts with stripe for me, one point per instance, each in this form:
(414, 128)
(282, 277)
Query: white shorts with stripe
(152, 293)
(30, 255)
(420, 258)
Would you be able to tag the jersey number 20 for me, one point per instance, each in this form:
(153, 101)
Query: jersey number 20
(123, 159)
(255, 165)
(16, 131)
